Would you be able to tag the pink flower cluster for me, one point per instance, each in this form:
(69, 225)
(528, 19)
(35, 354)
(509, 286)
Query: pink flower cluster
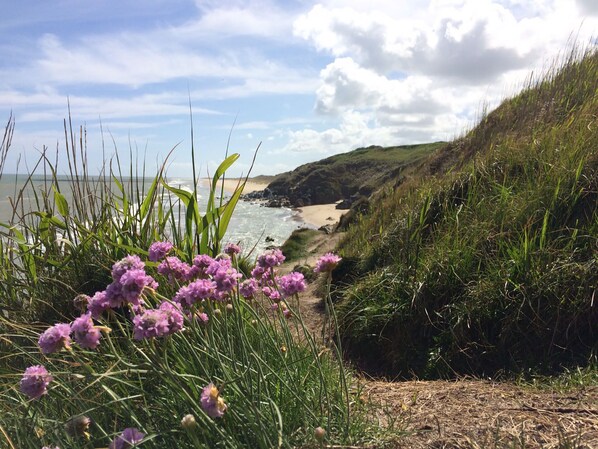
(58, 337)
(271, 259)
(291, 284)
(206, 278)
(231, 249)
(211, 402)
(327, 263)
(35, 381)
(129, 281)
(159, 250)
(160, 322)
(128, 438)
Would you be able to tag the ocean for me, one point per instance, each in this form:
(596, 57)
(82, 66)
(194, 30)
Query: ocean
(251, 224)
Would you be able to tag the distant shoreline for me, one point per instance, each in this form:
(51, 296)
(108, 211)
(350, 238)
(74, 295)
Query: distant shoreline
(317, 216)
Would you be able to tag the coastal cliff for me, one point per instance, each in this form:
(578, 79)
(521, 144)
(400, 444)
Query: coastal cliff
(345, 176)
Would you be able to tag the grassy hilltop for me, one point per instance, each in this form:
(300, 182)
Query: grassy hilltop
(358, 172)
(486, 257)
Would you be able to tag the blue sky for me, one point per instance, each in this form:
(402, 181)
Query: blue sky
(305, 79)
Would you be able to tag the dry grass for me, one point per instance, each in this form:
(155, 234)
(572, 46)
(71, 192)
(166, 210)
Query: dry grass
(476, 414)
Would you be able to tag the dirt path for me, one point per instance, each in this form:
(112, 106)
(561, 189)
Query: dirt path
(466, 413)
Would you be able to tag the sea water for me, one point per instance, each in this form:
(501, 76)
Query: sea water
(253, 226)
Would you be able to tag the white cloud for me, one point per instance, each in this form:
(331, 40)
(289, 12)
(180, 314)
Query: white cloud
(358, 129)
(46, 106)
(415, 72)
(448, 41)
(382, 72)
(135, 60)
(469, 41)
(589, 7)
(347, 85)
(256, 18)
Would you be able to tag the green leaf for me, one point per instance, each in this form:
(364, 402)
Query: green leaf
(228, 211)
(26, 256)
(225, 165)
(61, 202)
(184, 195)
(52, 219)
(192, 215)
(149, 199)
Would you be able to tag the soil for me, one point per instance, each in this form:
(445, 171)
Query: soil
(465, 413)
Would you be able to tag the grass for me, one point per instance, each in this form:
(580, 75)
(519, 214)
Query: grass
(295, 247)
(341, 176)
(484, 260)
(278, 385)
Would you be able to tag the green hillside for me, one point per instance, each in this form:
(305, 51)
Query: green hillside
(486, 258)
(339, 177)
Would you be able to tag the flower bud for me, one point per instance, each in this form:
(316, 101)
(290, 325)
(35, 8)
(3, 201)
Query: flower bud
(78, 426)
(81, 301)
(320, 434)
(188, 422)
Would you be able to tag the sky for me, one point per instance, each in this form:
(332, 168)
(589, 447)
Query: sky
(301, 80)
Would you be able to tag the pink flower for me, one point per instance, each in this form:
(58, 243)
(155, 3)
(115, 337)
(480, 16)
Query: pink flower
(248, 288)
(128, 438)
(126, 264)
(200, 263)
(327, 263)
(272, 294)
(226, 279)
(174, 269)
(152, 323)
(271, 259)
(55, 338)
(231, 249)
(201, 318)
(159, 250)
(132, 284)
(85, 333)
(291, 283)
(35, 381)
(196, 291)
(211, 402)
(174, 317)
(98, 303)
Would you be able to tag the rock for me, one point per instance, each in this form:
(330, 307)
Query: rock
(328, 229)
(278, 202)
(344, 204)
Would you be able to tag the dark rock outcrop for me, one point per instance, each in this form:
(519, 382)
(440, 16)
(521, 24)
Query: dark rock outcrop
(346, 176)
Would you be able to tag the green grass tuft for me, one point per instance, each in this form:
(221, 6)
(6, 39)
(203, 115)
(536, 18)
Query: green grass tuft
(484, 260)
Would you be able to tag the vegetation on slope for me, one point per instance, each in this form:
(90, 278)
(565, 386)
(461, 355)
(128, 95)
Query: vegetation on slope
(486, 258)
(341, 176)
(156, 361)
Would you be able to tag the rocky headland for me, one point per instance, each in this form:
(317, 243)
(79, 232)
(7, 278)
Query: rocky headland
(343, 178)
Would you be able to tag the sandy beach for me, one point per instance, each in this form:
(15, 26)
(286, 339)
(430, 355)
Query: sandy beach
(230, 184)
(319, 215)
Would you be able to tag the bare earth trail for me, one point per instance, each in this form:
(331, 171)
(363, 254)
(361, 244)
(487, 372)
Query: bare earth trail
(465, 413)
